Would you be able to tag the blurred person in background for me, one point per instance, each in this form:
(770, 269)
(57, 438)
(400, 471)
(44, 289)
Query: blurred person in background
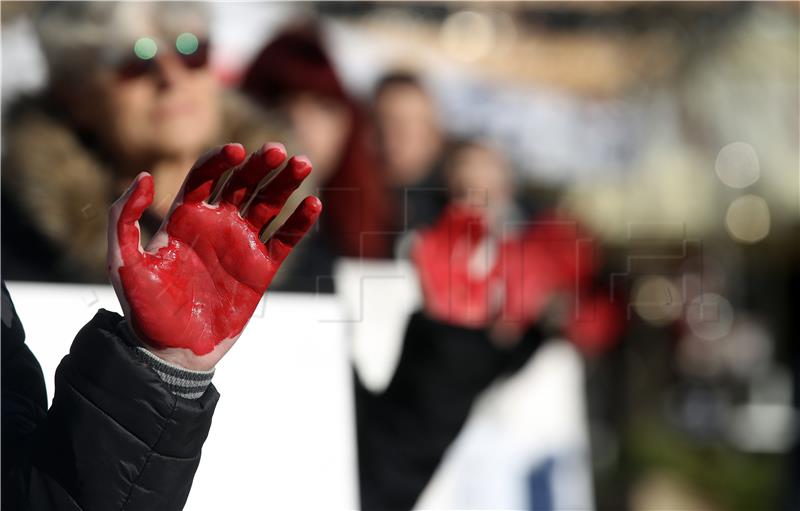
(494, 287)
(486, 262)
(129, 88)
(294, 75)
(412, 147)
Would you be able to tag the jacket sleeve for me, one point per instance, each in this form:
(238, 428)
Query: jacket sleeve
(404, 431)
(24, 405)
(115, 437)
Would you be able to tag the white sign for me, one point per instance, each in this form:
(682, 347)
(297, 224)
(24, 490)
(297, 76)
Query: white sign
(283, 434)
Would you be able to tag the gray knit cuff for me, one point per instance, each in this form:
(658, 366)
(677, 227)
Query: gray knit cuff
(180, 381)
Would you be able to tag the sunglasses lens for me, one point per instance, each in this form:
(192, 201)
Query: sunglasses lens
(136, 65)
(133, 67)
(192, 51)
(187, 43)
(145, 48)
(198, 58)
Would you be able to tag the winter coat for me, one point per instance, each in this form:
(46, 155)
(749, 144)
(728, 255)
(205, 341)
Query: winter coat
(56, 189)
(115, 436)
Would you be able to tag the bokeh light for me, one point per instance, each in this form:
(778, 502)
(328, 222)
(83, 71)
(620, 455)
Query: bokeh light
(657, 300)
(468, 35)
(737, 165)
(145, 48)
(710, 316)
(187, 43)
(748, 219)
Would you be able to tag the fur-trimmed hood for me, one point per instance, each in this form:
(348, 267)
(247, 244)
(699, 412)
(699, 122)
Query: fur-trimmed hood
(63, 188)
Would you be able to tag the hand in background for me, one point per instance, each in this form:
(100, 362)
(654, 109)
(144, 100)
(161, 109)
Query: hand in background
(509, 281)
(549, 271)
(189, 294)
(458, 263)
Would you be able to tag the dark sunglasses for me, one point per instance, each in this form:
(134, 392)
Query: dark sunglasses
(190, 50)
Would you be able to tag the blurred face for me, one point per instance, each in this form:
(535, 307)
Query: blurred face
(409, 133)
(165, 106)
(478, 176)
(322, 126)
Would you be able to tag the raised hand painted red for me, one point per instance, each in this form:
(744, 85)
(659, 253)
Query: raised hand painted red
(506, 281)
(550, 257)
(458, 265)
(191, 292)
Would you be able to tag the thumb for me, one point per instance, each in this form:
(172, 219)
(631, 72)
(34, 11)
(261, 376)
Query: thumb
(123, 222)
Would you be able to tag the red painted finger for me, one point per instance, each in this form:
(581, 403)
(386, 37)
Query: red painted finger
(134, 202)
(269, 200)
(293, 230)
(246, 178)
(204, 174)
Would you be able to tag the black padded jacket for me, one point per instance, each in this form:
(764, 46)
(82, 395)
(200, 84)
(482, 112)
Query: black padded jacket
(115, 437)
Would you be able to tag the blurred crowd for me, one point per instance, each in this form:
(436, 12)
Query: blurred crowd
(624, 176)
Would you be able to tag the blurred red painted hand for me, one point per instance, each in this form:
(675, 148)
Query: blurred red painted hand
(189, 294)
(550, 257)
(549, 269)
(458, 265)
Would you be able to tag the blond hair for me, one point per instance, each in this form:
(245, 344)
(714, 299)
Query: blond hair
(74, 36)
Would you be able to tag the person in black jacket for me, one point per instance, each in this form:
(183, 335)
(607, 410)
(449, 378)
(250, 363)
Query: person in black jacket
(133, 398)
(118, 436)
(456, 346)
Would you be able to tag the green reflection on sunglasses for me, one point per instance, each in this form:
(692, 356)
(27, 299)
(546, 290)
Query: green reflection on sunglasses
(187, 43)
(145, 48)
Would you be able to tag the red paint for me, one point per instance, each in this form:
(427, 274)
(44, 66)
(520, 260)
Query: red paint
(203, 286)
(550, 258)
(441, 254)
(599, 324)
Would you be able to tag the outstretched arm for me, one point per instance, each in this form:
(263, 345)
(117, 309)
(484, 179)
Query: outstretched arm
(118, 435)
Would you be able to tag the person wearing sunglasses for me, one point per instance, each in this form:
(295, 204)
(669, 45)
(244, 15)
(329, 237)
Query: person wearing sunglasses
(129, 87)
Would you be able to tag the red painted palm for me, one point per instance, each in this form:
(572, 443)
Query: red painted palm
(191, 292)
(459, 268)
